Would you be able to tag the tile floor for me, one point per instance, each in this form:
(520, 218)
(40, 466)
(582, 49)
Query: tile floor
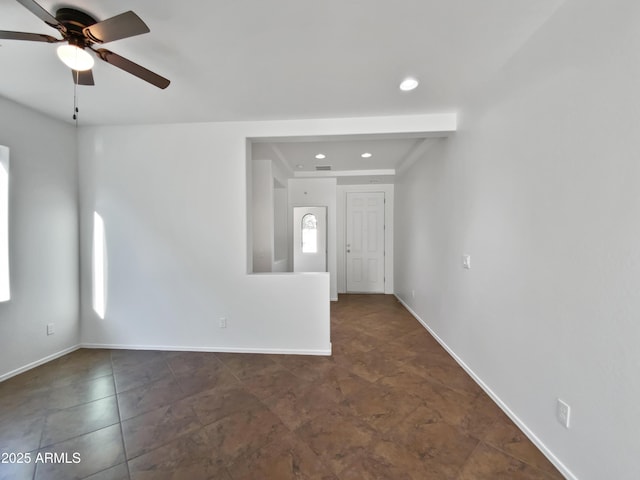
(389, 404)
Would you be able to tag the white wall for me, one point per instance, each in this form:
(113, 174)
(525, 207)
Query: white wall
(317, 192)
(269, 214)
(262, 214)
(281, 237)
(540, 187)
(388, 190)
(174, 201)
(43, 239)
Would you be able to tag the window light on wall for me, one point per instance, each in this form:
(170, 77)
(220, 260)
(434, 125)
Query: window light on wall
(99, 266)
(5, 290)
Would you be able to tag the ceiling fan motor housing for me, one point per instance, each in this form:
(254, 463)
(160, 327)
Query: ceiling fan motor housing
(75, 22)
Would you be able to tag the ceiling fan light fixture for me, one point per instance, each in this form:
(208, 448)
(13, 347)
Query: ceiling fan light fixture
(75, 57)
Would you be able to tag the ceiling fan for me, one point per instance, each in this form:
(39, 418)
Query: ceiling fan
(80, 31)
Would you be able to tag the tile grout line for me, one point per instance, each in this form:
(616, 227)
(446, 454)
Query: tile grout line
(483, 440)
(48, 413)
(510, 455)
(44, 426)
(463, 464)
(124, 448)
(201, 425)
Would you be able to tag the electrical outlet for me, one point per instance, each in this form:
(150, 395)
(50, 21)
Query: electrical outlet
(223, 322)
(413, 294)
(51, 329)
(563, 412)
(466, 261)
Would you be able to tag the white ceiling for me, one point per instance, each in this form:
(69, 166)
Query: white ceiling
(276, 59)
(344, 156)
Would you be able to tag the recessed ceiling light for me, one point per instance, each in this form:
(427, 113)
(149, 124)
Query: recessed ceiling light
(299, 166)
(366, 155)
(320, 156)
(409, 84)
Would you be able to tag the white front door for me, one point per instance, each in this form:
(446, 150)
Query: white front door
(309, 239)
(365, 242)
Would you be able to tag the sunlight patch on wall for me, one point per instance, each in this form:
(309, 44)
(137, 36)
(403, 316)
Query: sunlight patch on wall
(99, 266)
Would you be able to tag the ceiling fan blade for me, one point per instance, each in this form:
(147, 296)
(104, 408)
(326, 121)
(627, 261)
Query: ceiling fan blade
(132, 68)
(82, 78)
(125, 25)
(42, 14)
(32, 37)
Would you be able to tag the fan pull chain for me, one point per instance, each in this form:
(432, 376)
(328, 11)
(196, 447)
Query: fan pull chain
(75, 97)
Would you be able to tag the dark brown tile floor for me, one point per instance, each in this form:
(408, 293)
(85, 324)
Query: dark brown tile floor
(389, 404)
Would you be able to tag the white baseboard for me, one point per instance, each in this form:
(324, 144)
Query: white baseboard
(37, 363)
(526, 430)
(169, 348)
(179, 348)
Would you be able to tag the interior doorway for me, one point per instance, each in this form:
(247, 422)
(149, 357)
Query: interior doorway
(365, 245)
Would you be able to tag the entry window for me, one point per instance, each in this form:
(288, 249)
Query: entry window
(5, 292)
(309, 233)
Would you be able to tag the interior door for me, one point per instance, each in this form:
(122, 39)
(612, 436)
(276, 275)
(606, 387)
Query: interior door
(365, 242)
(309, 239)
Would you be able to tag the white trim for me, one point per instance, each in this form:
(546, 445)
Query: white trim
(395, 126)
(179, 348)
(536, 441)
(346, 173)
(37, 363)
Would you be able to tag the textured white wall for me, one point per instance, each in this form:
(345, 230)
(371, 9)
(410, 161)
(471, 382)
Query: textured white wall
(540, 187)
(43, 238)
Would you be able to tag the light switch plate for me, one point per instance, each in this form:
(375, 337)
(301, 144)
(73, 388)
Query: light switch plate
(563, 412)
(466, 261)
